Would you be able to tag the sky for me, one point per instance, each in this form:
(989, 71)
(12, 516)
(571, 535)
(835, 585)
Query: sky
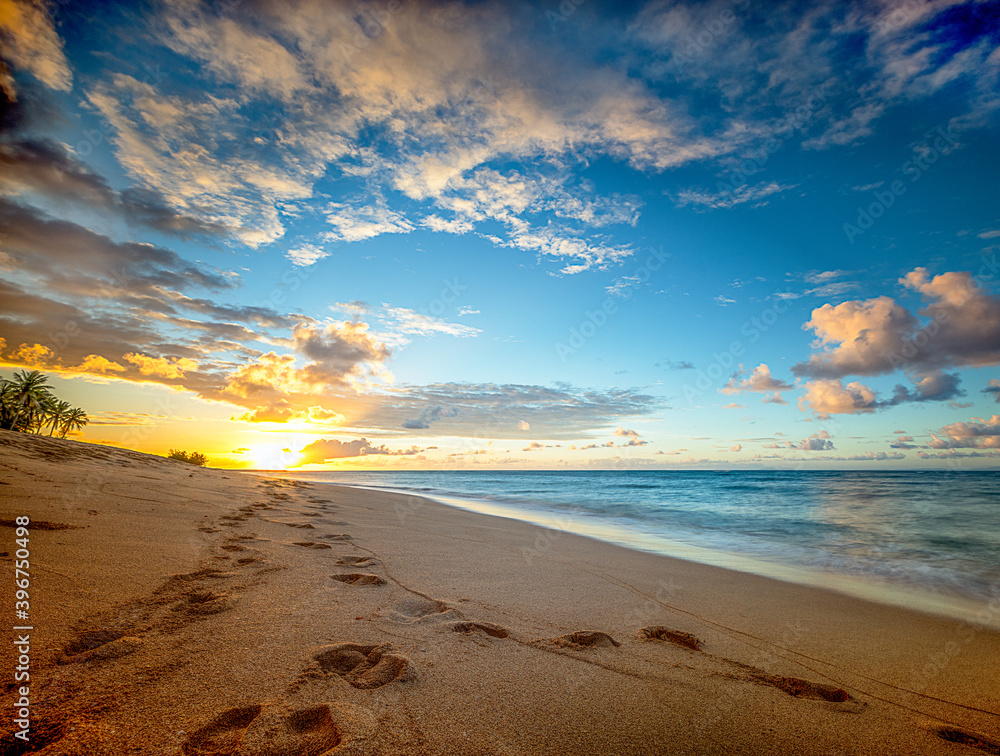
(504, 235)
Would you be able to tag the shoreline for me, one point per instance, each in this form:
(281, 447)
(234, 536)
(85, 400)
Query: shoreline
(191, 611)
(962, 607)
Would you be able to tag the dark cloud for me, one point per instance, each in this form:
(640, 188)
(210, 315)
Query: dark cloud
(46, 168)
(993, 387)
(75, 259)
(937, 387)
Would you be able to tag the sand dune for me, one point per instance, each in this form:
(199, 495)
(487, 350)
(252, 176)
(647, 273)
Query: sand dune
(202, 612)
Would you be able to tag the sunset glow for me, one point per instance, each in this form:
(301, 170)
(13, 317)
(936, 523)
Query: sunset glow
(508, 235)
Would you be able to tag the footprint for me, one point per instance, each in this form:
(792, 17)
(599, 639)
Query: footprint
(486, 627)
(795, 686)
(336, 536)
(176, 581)
(357, 561)
(364, 667)
(99, 645)
(204, 602)
(309, 731)
(313, 545)
(223, 734)
(249, 560)
(305, 525)
(953, 735)
(417, 609)
(584, 639)
(677, 637)
(233, 547)
(358, 578)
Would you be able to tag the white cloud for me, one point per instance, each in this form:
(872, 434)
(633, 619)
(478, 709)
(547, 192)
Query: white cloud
(453, 226)
(404, 320)
(354, 223)
(731, 198)
(306, 255)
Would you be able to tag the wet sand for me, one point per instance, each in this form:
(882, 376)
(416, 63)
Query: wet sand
(177, 610)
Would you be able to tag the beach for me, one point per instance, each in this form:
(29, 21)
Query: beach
(182, 610)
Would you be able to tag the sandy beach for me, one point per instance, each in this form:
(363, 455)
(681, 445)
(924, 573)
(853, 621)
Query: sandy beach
(181, 610)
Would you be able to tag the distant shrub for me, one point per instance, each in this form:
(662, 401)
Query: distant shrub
(193, 458)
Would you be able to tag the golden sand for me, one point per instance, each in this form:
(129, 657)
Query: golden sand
(177, 610)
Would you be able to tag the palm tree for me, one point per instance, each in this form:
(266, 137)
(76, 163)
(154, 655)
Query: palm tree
(7, 409)
(75, 419)
(57, 412)
(30, 396)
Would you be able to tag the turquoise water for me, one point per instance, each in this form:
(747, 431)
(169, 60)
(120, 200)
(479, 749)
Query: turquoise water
(934, 532)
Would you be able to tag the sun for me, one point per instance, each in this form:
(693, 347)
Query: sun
(272, 456)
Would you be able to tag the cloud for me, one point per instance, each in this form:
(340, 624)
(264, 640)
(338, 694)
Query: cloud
(521, 425)
(492, 410)
(428, 416)
(633, 437)
(162, 367)
(404, 320)
(875, 457)
(729, 198)
(306, 255)
(736, 447)
(759, 380)
(43, 167)
(832, 397)
(52, 248)
(936, 387)
(355, 223)
(952, 454)
(878, 336)
(94, 363)
(453, 226)
(820, 441)
(326, 450)
(675, 365)
(977, 433)
(993, 387)
(29, 41)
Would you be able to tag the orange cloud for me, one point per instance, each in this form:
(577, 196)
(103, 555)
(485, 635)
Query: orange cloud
(162, 367)
(35, 355)
(94, 363)
(879, 336)
(832, 397)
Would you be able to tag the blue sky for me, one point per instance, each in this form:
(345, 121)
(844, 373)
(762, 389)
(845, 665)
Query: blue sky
(402, 234)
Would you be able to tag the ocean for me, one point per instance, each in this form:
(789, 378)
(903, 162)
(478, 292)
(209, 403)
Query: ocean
(925, 539)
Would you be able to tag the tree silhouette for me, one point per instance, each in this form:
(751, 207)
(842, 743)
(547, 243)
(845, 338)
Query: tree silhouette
(27, 404)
